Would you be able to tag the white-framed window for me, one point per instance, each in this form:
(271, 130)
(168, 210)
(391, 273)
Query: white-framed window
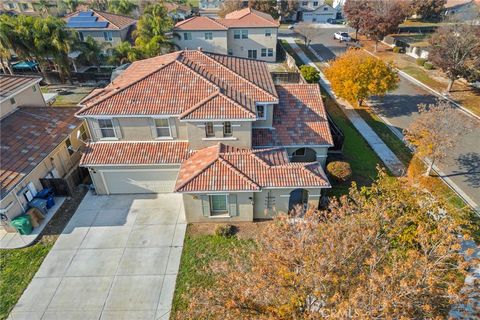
(83, 133)
(264, 53)
(163, 128)
(11, 5)
(270, 52)
(315, 3)
(107, 130)
(268, 32)
(12, 100)
(187, 36)
(244, 34)
(24, 6)
(69, 146)
(236, 34)
(208, 36)
(218, 204)
(108, 36)
(209, 132)
(261, 112)
(252, 54)
(227, 129)
(325, 8)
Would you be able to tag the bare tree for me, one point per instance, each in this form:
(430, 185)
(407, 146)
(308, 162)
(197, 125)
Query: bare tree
(428, 9)
(456, 50)
(229, 6)
(436, 131)
(307, 31)
(354, 11)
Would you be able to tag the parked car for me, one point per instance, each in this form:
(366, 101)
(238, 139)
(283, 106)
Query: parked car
(342, 36)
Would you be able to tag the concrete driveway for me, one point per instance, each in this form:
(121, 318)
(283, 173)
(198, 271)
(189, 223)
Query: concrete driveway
(117, 258)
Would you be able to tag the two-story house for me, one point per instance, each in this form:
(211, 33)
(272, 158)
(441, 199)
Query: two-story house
(212, 127)
(246, 33)
(316, 12)
(36, 142)
(104, 27)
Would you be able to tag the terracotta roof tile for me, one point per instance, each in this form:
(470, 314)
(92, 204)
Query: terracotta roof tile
(28, 136)
(200, 23)
(223, 168)
(299, 119)
(127, 152)
(174, 83)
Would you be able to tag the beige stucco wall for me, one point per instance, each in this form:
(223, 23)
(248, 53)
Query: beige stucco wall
(139, 129)
(218, 44)
(193, 209)
(27, 97)
(58, 159)
(279, 201)
(256, 41)
(117, 36)
(268, 122)
(242, 135)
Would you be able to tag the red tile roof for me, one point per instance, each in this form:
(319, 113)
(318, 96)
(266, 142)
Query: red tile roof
(245, 18)
(128, 152)
(174, 83)
(299, 119)
(224, 168)
(115, 21)
(29, 135)
(11, 84)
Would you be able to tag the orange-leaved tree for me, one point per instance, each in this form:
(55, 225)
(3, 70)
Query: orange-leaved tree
(388, 251)
(354, 76)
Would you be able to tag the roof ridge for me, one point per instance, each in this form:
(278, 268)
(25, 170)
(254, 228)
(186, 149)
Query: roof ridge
(195, 72)
(117, 90)
(253, 11)
(198, 104)
(238, 172)
(238, 75)
(115, 14)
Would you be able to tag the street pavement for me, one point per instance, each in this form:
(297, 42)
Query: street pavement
(399, 109)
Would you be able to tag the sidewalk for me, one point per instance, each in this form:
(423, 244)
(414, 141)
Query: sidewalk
(381, 149)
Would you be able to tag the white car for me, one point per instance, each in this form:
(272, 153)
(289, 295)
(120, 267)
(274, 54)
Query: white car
(342, 36)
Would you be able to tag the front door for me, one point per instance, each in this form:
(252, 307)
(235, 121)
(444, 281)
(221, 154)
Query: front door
(252, 54)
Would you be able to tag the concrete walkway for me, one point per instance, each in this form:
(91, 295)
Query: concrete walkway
(117, 258)
(381, 149)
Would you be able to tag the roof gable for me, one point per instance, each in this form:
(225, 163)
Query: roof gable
(200, 23)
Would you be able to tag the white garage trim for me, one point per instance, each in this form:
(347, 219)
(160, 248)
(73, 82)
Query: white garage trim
(138, 181)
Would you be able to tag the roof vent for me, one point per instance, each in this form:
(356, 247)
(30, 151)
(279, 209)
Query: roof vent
(199, 48)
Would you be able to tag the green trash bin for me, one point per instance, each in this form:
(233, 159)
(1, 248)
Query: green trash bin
(22, 224)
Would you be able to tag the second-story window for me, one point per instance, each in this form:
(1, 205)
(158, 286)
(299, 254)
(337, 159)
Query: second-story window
(304, 3)
(236, 34)
(325, 8)
(227, 129)
(163, 128)
(208, 36)
(268, 32)
(106, 128)
(261, 111)
(244, 34)
(187, 36)
(209, 132)
(108, 36)
(270, 52)
(69, 146)
(315, 3)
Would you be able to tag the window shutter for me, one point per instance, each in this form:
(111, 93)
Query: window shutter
(205, 205)
(232, 203)
(118, 129)
(97, 135)
(153, 128)
(173, 127)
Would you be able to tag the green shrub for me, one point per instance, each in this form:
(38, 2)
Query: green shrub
(428, 65)
(310, 74)
(340, 171)
(397, 49)
(421, 61)
(225, 230)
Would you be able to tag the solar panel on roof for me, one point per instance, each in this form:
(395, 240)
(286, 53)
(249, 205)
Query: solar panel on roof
(85, 14)
(75, 19)
(87, 24)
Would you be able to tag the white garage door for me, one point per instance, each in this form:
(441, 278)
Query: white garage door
(140, 181)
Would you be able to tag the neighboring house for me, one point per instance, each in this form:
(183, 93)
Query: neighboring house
(211, 5)
(321, 14)
(415, 45)
(178, 11)
(101, 26)
(463, 10)
(245, 33)
(36, 142)
(212, 127)
(19, 91)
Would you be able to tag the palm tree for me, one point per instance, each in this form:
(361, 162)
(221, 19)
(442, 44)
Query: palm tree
(71, 5)
(151, 30)
(124, 53)
(44, 7)
(121, 6)
(92, 51)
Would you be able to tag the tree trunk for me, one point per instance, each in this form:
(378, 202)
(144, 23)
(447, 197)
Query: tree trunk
(429, 169)
(376, 45)
(450, 85)
(356, 34)
(360, 101)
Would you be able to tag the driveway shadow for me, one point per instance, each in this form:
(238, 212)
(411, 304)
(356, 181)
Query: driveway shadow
(328, 53)
(398, 105)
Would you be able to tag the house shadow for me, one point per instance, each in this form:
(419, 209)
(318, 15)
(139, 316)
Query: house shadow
(400, 105)
(328, 53)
